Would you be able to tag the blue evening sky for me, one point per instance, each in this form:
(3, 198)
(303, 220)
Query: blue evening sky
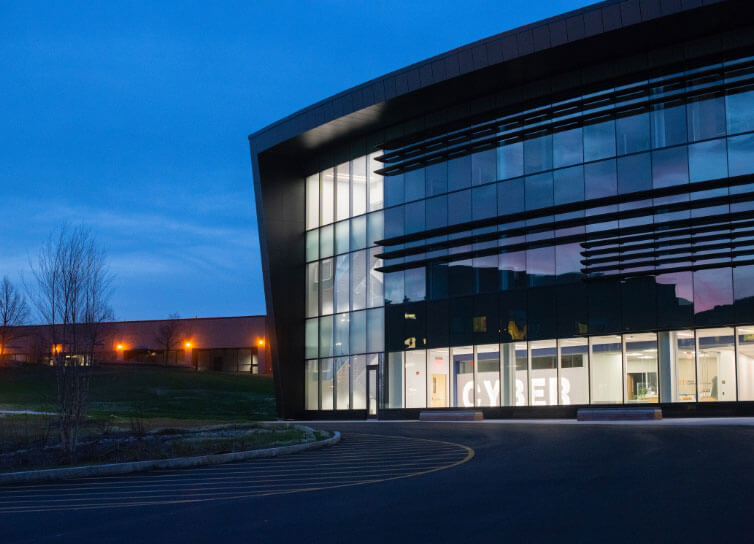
(133, 117)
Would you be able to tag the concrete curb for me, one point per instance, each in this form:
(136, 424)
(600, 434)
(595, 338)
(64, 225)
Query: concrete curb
(177, 462)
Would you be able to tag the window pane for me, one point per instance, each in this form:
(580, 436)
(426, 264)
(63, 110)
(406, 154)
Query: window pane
(438, 377)
(713, 296)
(342, 280)
(677, 360)
(358, 232)
(311, 338)
(510, 160)
(342, 335)
(394, 190)
(342, 237)
(514, 362)
(416, 379)
(745, 363)
(459, 173)
(600, 179)
(358, 340)
(488, 375)
(326, 279)
(462, 381)
(538, 154)
(483, 166)
(741, 155)
(512, 267)
(486, 274)
(326, 336)
(740, 112)
(606, 369)
(706, 118)
(327, 197)
(359, 280)
(342, 382)
(670, 167)
(359, 186)
(375, 184)
(459, 207)
(375, 330)
(375, 296)
(573, 376)
(510, 196)
(437, 178)
(326, 242)
(543, 373)
(393, 387)
(599, 141)
(343, 209)
(311, 390)
(375, 228)
(326, 384)
(414, 184)
(312, 245)
(393, 287)
(634, 173)
(312, 289)
(484, 202)
(312, 201)
(539, 191)
(708, 160)
(632, 133)
(437, 212)
(641, 368)
(716, 365)
(567, 147)
(668, 125)
(394, 222)
(569, 185)
(675, 299)
(415, 217)
(359, 382)
(415, 284)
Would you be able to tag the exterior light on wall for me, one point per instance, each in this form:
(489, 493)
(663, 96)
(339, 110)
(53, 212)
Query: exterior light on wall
(188, 345)
(119, 347)
(260, 342)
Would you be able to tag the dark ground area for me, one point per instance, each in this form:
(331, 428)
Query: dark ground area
(147, 392)
(525, 483)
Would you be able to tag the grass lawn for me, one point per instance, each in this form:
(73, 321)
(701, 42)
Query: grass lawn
(150, 393)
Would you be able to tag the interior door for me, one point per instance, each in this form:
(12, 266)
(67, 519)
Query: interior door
(437, 398)
(371, 392)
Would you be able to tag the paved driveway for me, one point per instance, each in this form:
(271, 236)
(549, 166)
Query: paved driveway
(404, 482)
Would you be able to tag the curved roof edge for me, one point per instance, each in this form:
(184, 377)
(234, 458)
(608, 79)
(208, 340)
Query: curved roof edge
(532, 38)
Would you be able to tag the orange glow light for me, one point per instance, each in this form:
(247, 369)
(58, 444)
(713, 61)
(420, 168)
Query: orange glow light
(188, 344)
(260, 342)
(119, 347)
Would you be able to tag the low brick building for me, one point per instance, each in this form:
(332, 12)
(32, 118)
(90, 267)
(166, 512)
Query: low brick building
(228, 344)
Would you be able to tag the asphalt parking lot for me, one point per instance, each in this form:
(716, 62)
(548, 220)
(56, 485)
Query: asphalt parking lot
(440, 482)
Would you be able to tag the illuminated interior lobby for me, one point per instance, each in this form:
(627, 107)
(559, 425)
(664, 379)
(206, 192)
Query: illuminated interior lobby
(558, 216)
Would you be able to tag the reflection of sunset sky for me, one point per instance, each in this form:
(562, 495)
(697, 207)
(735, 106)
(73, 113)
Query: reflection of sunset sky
(712, 288)
(683, 284)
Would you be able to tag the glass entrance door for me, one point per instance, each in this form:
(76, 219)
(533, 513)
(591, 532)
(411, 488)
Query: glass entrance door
(372, 392)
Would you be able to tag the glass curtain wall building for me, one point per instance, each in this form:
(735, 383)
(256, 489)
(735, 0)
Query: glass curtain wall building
(551, 242)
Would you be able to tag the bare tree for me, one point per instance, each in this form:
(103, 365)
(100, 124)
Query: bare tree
(168, 335)
(13, 313)
(72, 292)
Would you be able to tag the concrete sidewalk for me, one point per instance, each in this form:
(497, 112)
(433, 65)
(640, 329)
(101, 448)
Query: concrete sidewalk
(670, 422)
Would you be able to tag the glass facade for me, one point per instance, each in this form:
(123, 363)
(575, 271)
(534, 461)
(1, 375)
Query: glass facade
(596, 250)
(344, 291)
(647, 368)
